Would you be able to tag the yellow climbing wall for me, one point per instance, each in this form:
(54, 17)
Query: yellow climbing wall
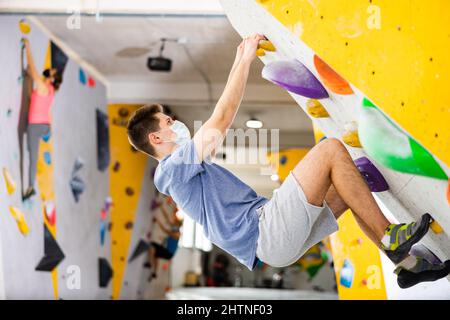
(352, 244)
(126, 175)
(395, 52)
(285, 160)
(45, 181)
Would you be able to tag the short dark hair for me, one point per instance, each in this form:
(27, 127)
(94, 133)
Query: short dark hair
(141, 124)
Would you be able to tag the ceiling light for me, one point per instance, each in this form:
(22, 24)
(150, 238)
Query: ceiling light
(274, 177)
(254, 123)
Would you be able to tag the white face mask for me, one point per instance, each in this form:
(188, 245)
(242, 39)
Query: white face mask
(182, 132)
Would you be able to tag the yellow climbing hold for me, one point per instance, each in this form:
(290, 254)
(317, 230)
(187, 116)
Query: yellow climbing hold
(10, 184)
(315, 109)
(266, 45)
(20, 219)
(350, 136)
(24, 26)
(260, 52)
(436, 227)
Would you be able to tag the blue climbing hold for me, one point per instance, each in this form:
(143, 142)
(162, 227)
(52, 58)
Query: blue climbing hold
(283, 160)
(82, 77)
(47, 158)
(46, 137)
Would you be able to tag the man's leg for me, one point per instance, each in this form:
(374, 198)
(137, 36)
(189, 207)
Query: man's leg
(338, 207)
(330, 163)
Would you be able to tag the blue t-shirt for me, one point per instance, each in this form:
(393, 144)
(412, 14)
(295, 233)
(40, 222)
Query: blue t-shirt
(215, 198)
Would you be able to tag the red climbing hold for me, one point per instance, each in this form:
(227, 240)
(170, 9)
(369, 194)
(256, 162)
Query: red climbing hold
(331, 79)
(91, 82)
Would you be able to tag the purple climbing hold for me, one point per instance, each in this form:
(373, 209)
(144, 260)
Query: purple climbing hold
(370, 173)
(293, 76)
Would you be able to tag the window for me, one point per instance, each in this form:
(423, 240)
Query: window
(192, 235)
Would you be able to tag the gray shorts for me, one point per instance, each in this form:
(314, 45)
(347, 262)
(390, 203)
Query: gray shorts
(289, 225)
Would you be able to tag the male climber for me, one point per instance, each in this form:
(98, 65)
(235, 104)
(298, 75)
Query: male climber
(303, 211)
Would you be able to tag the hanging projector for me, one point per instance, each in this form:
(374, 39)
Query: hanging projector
(160, 63)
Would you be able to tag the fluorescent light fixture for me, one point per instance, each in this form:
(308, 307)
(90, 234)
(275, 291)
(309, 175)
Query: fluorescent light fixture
(254, 123)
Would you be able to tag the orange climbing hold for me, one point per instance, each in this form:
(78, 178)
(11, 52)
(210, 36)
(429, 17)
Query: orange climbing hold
(331, 79)
(448, 192)
(315, 109)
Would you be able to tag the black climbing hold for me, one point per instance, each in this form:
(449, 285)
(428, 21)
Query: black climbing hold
(53, 254)
(105, 272)
(140, 248)
(116, 166)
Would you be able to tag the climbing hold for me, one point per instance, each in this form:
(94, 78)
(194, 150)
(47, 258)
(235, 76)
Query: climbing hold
(76, 185)
(283, 160)
(53, 254)
(293, 76)
(346, 274)
(8, 113)
(448, 192)
(116, 166)
(260, 52)
(46, 137)
(372, 175)
(390, 146)
(10, 184)
(140, 248)
(129, 225)
(91, 82)
(129, 191)
(315, 109)
(82, 77)
(50, 212)
(20, 220)
(436, 227)
(102, 232)
(105, 272)
(47, 158)
(350, 136)
(123, 112)
(24, 26)
(266, 45)
(331, 79)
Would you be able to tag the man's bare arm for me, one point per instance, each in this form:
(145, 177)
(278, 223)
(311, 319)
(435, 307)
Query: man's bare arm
(211, 134)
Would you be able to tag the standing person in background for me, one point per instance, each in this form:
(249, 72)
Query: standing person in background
(167, 250)
(45, 86)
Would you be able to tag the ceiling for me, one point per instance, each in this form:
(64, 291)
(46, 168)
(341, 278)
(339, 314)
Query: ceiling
(210, 40)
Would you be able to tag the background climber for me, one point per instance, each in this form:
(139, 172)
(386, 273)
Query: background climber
(39, 117)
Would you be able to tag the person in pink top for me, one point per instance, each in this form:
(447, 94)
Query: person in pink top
(45, 85)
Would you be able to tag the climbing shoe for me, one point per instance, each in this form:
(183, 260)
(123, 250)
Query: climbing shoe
(28, 193)
(399, 238)
(423, 271)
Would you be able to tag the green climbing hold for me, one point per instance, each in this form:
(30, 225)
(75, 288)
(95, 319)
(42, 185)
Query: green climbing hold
(387, 144)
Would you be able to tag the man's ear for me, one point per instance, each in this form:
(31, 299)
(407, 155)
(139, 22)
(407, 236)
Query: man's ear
(154, 138)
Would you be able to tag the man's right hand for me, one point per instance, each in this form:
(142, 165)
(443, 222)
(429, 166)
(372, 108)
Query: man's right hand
(250, 45)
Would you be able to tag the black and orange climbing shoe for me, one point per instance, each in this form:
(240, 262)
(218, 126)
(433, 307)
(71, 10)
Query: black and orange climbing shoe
(423, 271)
(399, 238)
